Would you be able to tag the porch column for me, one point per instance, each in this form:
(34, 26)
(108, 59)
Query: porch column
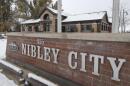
(94, 27)
(21, 28)
(33, 28)
(78, 27)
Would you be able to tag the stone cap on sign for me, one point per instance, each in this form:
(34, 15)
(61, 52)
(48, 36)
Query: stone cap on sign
(119, 37)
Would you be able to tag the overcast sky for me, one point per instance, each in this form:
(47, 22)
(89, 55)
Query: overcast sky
(85, 6)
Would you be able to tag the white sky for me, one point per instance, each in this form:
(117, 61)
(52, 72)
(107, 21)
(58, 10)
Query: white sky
(81, 6)
(85, 6)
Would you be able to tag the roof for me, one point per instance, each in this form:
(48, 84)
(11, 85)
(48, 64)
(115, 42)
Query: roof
(20, 19)
(85, 16)
(110, 19)
(73, 18)
(54, 11)
(31, 21)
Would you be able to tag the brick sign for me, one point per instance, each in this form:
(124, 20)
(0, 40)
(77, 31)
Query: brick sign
(84, 62)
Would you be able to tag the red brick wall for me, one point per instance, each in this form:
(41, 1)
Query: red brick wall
(118, 50)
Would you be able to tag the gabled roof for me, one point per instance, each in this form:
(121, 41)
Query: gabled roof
(31, 21)
(73, 18)
(53, 11)
(85, 16)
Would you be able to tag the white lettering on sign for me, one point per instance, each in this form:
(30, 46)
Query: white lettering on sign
(83, 56)
(40, 41)
(76, 60)
(24, 49)
(96, 58)
(47, 54)
(33, 50)
(116, 68)
(72, 55)
(43, 54)
(39, 55)
(28, 49)
(13, 46)
(55, 54)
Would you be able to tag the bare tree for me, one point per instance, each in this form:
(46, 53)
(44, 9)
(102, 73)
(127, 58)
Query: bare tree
(124, 19)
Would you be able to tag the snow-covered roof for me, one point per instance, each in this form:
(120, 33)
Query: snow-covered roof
(53, 10)
(72, 18)
(85, 16)
(31, 21)
(20, 19)
(56, 11)
(110, 19)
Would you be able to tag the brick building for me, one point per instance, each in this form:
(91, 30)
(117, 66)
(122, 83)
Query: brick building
(85, 22)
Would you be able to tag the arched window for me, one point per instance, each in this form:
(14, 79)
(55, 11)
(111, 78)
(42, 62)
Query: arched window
(46, 23)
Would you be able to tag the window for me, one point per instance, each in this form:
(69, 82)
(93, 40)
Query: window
(29, 28)
(46, 23)
(63, 28)
(37, 28)
(68, 28)
(71, 28)
(104, 27)
(86, 28)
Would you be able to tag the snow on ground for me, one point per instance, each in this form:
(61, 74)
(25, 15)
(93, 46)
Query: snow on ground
(11, 66)
(4, 81)
(3, 48)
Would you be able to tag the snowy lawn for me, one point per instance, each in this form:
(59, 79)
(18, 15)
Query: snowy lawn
(4, 81)
(3, 48)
